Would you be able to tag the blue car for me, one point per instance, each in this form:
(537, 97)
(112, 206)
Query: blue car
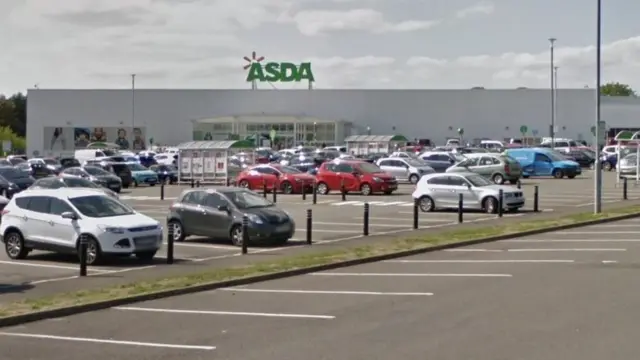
(141, 175)
(608, 162)
(544, 162)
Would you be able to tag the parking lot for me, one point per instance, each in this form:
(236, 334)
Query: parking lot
(501, 300)
(334, 221)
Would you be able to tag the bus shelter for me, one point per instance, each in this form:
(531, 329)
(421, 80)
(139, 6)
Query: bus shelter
(371, 144)
(213, 161)
(631, 139)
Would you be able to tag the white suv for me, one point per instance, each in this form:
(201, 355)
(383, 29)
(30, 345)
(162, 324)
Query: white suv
(53, 220)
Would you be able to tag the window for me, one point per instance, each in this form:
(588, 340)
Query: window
(344, 168)
(543, 158)
(248, 200)
(386, 163)
(331, 167)
(487, 161)
(478, 180)
(23, 203)
(45, 183)
(289, 170)
(95, 171)
(440, 180)
(470, 162)
(79, 183)
(39, 204)
(456, 181)
(58, 207)
(97, 206)
(214, 201)
(194, 197)
(369, 168)
(12, 173)
(137, 167)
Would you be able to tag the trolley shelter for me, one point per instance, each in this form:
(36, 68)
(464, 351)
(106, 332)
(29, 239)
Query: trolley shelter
(213, 161)
(371, 144)
(631, 139)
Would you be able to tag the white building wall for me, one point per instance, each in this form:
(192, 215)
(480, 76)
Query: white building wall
(167, 114)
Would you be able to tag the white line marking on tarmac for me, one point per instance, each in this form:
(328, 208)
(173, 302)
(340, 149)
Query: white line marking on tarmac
(550, 250)
(477, 261)
(235, 313)
(409, 274)
(569, 240)
(609, 261)
(107, 341)
(406, 220)
(356, 224)
(325, 292)
(205, 246)
(61, 267)
(474, 250)
(596, 232)
(618, 225)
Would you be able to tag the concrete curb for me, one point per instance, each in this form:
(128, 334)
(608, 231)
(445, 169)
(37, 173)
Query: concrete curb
(106, 304)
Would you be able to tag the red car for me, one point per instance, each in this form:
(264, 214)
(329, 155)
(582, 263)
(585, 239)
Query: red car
(284, 178)
(357, 176)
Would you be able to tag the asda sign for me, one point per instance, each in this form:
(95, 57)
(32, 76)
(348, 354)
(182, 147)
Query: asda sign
(257, 70)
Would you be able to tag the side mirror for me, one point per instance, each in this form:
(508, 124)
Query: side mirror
(355, 173)
(69, 215)
(224, 208)
(468, 186)
(451, 162)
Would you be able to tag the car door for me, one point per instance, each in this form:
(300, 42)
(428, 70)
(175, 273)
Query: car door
(39, 220)
(440, 191)
(346, 175)
(542, 165)
(459, 185)
(400, 169)
(388, 166)
(63, 232)
(218, 222)
(485, 166)
(191, 212)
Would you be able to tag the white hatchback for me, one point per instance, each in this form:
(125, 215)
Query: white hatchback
(54, 220)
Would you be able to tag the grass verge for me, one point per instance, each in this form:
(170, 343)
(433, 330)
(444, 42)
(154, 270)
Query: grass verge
(295, 262)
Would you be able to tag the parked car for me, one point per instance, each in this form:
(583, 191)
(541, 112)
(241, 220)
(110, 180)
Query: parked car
(440, 161)
(67, 162)
(112, 228)
(123, 172)
(142, 175)
(405, 169)
(96, 175)
(498, 168)
(372, 157)
(287, 179)
(217, 213)
(12, 181)
(57, 182)
(544, 162)
(442, 191)
(581, 157)
(355, 176)
(608, 161)
(303, 164)
(628, 165)
(166, 173)
(16, 159)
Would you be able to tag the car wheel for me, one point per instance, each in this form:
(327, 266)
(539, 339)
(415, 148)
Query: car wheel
(571, 176)
(414, 179)
(146, 255)
(498, 179)
(490, 205)
(426, 204)
(14, 246)
(135, 183)
(244, 184)
(152, 184)
(525, 176)
(125, 186)
(558, 174)
(322, 189)
(236, 235)
(286, 187)
(513, 182)
(178, 230)
(94, 252)
(607, 166)
(365, 189)
(388, 192)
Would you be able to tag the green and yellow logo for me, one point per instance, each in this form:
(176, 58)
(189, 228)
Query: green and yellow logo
(276, 72)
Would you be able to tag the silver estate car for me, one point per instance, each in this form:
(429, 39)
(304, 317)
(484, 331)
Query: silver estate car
(442, 191)
(405, 169)
(628, 164)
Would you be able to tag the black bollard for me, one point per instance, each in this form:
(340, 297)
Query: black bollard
(274, 194)
(343, 191)
(228, 182)
(500, 202)
(460, 208)
(309, 226)
(198, 183)
(535, 199)
(315, 193)
(170, 244)
(416, 203)
(625, 194)
(162, 191)
(264, 189)
(365, 220)
(83, 254)
(519, 184)
(193, 183)
(304, 191)
(245, 234)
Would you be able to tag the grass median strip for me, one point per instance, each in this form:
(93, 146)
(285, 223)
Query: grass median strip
(296, 262)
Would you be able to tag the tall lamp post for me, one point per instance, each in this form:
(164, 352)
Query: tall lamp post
(555, 94)
(552, 130)
(597, 203)
(133, 101)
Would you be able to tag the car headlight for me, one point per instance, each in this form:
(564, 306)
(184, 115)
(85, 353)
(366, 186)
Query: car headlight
(377, 179)
(508, 195)
(111, 229)
(12, 185)
(255, 219)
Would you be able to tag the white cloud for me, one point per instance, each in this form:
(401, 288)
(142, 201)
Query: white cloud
(315, 22)
(481, 8)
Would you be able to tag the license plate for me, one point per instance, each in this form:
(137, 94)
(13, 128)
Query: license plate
(113, 186)
(282, 228)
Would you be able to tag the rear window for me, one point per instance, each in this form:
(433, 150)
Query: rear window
(508, 159)
(118, 168)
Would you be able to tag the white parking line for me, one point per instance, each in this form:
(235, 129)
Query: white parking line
(552, 250)
(327, 292)
(406, 220)
(569, 240)
(204, 246)
(593, 232)
(49, 266)
(357, 224)
(473, 250)
(107, 341)
(479, 261)
(408, 274)
(234, 313)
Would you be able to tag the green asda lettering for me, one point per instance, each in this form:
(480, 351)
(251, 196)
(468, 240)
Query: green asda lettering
(280, 72)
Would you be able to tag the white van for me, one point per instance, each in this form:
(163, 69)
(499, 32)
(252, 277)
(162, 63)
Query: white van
(83, 155)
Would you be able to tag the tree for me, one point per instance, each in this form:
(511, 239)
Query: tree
(13, 120)
(616, 89)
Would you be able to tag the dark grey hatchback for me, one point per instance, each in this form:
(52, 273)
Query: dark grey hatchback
(217, 213)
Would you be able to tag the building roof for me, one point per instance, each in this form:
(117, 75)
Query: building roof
(376, 138)
(216, 145)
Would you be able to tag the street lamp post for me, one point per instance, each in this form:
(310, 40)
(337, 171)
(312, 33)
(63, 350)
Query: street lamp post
(553, 95)
(597, 203)
(368, 130)
(133, 101)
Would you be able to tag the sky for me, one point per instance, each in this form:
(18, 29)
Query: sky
(363, 44)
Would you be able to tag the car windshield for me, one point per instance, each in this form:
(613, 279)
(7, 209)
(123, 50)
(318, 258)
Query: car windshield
(95, 171)
(97, 206)
(12, 173)
(369, 168)
(478, 180)
(555, 156)
(248, 200)
(458, 157)
(289, 170)
(80, 183)
(51, 162)
(137, 167)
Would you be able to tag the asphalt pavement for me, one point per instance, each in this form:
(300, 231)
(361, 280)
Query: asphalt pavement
(336, 222)
(566, 295)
